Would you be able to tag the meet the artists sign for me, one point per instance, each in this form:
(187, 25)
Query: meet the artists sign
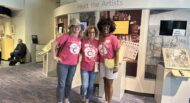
(99, 4)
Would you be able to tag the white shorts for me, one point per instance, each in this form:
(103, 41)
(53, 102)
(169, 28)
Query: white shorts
(108, 73)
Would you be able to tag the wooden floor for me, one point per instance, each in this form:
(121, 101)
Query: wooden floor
(26, 84)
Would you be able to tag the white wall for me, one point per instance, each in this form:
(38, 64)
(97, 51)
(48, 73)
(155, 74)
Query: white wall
(18, 22)
(39, 19)
(35, 19)
(32, 17)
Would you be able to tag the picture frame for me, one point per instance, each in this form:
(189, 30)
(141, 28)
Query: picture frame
(35, 39)
(175, 58)
(131, 52)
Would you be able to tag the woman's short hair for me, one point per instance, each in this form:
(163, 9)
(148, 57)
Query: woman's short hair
(106, 21)
(90, 28)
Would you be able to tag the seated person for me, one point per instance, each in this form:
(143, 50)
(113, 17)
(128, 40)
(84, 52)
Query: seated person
(18, 53)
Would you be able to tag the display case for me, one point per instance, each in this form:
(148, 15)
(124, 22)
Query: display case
(169, 88)
(61, 25)
(7, 46)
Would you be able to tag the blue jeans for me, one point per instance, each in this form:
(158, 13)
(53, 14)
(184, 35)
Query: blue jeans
(65, 74)
(17, 55)
(88, 79)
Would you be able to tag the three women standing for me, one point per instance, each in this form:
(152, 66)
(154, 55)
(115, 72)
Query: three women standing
(108, 47)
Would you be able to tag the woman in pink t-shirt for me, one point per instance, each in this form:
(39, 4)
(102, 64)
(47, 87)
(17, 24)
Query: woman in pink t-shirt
(108, 48)
(89, 52)
(67, 58)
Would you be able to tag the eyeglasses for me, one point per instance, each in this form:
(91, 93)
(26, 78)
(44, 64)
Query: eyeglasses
(91, 32)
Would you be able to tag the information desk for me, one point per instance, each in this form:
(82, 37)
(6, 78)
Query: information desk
(170, 88)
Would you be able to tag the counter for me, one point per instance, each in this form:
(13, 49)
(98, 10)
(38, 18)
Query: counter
(171, 89)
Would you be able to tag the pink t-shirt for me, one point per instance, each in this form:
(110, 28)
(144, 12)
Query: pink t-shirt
(108, 46)
(70, 53)
(89, 52)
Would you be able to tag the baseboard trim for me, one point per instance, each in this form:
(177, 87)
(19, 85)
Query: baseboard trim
(140, 94)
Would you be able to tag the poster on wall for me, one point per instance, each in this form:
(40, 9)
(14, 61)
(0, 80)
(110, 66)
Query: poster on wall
(122, 27)
(131, 50)
(35, 39)
(178, 32)
(175, 58)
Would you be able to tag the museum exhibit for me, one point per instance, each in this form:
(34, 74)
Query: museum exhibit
(154, 62)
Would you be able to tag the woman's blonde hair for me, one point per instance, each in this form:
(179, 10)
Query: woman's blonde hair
(90, 28)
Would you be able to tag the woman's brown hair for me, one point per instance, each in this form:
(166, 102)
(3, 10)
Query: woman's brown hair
(90, 28)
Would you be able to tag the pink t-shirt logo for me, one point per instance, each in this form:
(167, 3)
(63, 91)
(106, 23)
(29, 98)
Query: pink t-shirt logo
(107, 47)
(103, 47)
(89, 51)
(75, 48)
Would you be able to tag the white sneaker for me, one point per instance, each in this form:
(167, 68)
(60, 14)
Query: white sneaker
(87, 101)
(66, 101)
(83, 98)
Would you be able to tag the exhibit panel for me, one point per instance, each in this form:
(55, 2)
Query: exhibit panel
(49, 65)
(145, 45)
(162, 23)
(171, 89)
(132, 21)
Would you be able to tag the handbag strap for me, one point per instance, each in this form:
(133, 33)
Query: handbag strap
(60, 48)
(106, 47)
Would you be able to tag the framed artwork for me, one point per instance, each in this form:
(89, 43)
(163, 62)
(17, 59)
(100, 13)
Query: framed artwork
(176, 58)
(131, 50)
(34, 39)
